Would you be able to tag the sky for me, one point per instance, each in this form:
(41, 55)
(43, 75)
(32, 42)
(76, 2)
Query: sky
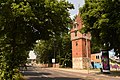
(77, 4)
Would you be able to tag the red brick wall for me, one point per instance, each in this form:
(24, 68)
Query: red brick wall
(79, 50)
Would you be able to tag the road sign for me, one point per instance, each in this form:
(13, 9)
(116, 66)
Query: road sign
(53, 60)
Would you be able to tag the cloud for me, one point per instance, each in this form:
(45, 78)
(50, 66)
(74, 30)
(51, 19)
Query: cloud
(77, 4)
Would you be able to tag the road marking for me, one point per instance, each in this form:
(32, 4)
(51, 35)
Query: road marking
(44, 76)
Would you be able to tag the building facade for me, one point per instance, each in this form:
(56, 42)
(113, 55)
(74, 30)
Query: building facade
(96, 60)
(96, 57)
(80, 45)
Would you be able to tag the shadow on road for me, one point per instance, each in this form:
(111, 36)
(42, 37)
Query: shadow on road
(33, 73)
(55, 78)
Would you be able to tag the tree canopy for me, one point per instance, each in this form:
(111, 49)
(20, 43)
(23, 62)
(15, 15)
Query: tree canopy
(102, 19)
(58, 47)
(22, 22)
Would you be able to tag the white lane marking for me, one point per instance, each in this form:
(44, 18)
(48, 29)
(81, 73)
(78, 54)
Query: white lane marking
(44, 75)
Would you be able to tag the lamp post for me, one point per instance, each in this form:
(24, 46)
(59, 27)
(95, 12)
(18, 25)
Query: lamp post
(87, 54)
(53, 60)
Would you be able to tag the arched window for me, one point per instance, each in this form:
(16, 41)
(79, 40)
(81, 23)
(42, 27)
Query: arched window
(75, 25)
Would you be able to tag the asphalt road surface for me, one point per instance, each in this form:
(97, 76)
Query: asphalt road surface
(36, 73)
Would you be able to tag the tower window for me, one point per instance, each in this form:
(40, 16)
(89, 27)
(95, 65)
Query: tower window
(76, 53)
(76, 43)
(84, 34)
(75, 25)
(75, 33)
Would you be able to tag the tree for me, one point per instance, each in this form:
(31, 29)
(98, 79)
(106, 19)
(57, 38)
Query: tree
(66, 52)
(58, 47)
(101, 19)
(95, 47)
(44, 51)
(22, 22)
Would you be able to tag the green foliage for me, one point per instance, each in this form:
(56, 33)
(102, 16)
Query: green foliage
(43, 50)
(58, 47)
(102, 19)
(95, 48)
(22, 22)
(66, 51)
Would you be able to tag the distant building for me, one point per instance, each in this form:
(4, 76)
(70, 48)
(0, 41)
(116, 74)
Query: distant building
(32, 57)
(81, 52)
(96, 60)
(96, 57)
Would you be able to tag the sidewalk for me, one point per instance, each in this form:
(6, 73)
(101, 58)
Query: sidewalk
(94, 74)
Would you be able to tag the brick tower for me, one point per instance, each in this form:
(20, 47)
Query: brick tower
(80, 45)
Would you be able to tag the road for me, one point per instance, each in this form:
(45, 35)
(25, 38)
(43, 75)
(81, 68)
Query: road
(36, 73)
